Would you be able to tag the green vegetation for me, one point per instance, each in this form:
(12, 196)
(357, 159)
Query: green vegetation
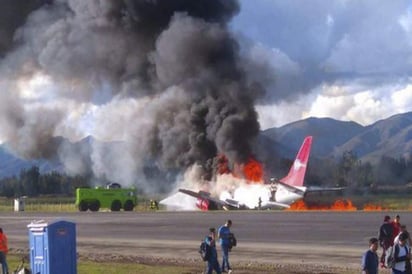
(388, 202)
(40, 204)
(89, 267)
(349, 171)
(92, 267)
(96, 267)
(380, 200)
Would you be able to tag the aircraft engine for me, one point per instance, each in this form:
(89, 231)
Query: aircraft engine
(205, 205)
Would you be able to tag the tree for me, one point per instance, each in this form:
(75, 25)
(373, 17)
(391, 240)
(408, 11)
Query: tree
(29, 180)
(352, 173)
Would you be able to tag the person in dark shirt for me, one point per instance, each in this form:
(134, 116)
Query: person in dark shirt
(370, 259)
(224, 234)
(385, 237)
(212, 262)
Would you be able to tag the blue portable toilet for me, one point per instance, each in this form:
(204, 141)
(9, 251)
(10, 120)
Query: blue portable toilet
(53, 247)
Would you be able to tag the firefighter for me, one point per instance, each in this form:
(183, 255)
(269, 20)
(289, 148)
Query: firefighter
(154, 205)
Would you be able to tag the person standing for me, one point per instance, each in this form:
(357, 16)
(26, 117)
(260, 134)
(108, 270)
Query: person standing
(401, 255)
(3, 251)
(396, 224)
(224, 234)
(403, 230)
(212, 261)
(370, 259)
(385, 237)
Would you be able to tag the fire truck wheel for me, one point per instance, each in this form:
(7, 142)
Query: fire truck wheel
(94, 206)
(83, 206)
(128, 205)
(116, 205)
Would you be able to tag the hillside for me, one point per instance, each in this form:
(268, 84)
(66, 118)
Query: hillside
(389, 137)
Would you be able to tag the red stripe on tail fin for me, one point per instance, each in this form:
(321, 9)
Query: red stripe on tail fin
(297, 172)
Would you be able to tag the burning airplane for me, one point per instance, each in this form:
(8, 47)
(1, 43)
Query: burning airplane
(254, 194)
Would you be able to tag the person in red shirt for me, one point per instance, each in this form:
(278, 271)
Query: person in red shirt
(396, 227)
(3, 252)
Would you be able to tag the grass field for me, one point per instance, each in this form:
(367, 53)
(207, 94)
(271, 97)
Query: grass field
(91, 267)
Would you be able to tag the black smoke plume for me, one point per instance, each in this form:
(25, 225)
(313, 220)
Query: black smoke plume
(163, 76)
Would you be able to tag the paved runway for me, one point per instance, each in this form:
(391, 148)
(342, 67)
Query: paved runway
(263, 236)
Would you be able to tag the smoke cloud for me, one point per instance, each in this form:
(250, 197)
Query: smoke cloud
(164, 77)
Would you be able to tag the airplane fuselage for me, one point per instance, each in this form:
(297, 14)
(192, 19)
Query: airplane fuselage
(285, 196)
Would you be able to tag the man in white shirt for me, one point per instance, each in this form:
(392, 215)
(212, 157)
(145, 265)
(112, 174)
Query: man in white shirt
(402, 255)
(408, 241)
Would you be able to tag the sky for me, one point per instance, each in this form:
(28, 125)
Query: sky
(348, 60)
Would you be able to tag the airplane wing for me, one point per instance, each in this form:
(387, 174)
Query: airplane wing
(234, 203)
(312, 189)
(200, 194)
(265, 205)
(203, 195)
(230, 203)
(226, 204)
(272, 205)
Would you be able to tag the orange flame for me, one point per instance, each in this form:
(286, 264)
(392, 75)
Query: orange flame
(338, 205)
(371, 207)
(253, 171)
(343, 205)
(298, 205)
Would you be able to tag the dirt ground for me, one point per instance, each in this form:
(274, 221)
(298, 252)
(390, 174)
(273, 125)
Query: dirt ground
(196, 266)
(303, 264)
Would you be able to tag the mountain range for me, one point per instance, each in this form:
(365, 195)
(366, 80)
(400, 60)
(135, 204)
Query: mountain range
(390, 137)
(331, 138)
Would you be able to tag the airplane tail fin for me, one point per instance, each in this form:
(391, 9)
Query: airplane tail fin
(297, 172)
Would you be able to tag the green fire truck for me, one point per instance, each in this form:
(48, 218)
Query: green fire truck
(113, 196)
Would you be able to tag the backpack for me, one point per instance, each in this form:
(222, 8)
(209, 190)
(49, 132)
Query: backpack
(390, 256)
(232, 240)
(204, 251)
